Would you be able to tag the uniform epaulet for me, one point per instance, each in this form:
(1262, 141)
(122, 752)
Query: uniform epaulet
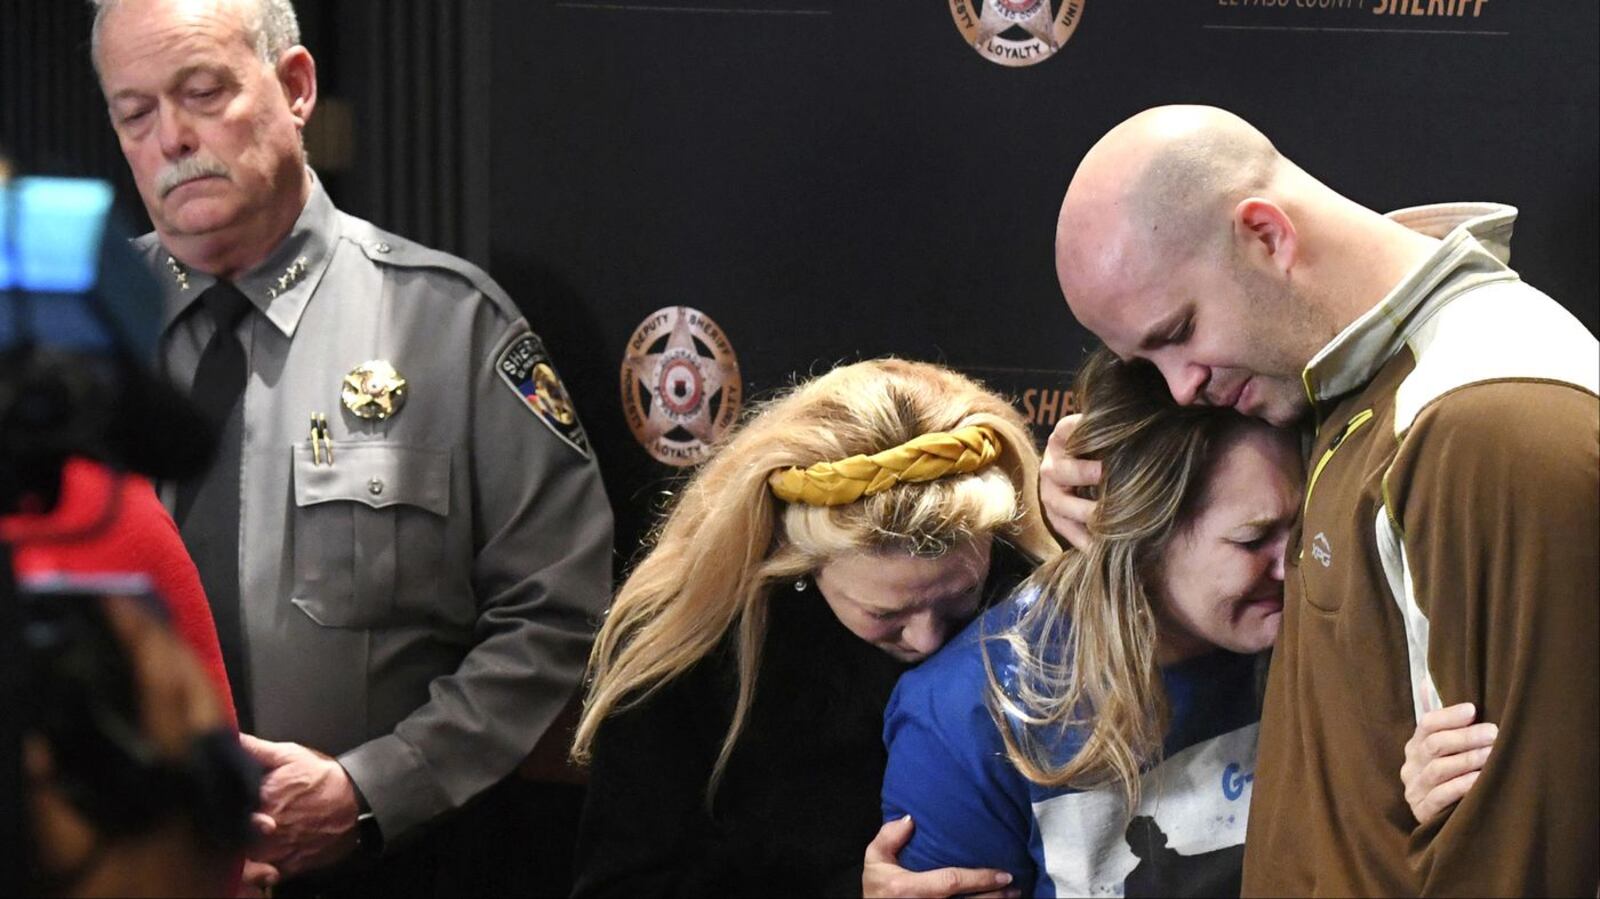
(384, 248)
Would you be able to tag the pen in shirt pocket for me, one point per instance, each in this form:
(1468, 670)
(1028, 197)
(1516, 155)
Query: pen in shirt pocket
(321, 440)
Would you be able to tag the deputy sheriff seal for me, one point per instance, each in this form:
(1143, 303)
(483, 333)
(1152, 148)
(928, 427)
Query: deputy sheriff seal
(1017, 32)
(681, 387)
(526, 369)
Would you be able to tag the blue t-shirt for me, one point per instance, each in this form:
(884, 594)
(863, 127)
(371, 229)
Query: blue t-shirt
(948, 770)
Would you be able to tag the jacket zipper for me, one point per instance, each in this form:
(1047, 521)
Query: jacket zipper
(1361, 418)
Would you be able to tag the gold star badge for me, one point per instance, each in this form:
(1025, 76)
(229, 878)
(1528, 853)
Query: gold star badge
(374, 391)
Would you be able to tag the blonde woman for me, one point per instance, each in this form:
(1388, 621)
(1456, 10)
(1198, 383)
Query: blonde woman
(733, 722)
(1097, 734)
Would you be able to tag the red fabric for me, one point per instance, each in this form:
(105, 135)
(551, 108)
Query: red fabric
(112, 523)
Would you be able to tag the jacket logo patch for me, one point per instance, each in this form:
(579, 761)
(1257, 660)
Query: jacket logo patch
(526, 369)
(1320, 550)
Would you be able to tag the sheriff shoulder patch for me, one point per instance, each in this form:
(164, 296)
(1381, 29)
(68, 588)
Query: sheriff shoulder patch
(526, 369)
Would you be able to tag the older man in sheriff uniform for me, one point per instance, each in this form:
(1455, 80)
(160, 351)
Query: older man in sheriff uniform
(404, 536)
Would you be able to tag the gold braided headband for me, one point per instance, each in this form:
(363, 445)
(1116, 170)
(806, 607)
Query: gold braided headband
(925, 458)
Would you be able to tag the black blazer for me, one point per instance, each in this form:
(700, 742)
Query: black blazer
(799, 799)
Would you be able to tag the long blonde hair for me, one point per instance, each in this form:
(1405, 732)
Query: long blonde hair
(1084, 648)
(727, 540)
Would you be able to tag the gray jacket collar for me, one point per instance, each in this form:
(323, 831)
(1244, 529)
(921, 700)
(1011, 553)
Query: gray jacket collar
(1474, 248)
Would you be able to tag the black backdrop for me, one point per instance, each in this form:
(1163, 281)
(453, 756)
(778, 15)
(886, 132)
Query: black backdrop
(838, 179)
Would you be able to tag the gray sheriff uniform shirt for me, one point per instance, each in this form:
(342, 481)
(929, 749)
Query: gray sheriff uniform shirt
(423, 607)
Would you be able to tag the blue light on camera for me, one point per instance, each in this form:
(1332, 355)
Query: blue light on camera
(50, 233)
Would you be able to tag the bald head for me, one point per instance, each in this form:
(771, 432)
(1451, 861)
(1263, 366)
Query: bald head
(1186, 240)
(1155, 191)
(1174, 246)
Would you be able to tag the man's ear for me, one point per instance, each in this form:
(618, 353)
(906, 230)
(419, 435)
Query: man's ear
(1266, 234)
(297, 73)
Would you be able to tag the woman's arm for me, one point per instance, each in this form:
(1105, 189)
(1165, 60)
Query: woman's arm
(948, 772)
(883, 878)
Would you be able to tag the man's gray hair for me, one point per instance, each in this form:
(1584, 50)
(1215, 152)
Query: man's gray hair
(269, 25)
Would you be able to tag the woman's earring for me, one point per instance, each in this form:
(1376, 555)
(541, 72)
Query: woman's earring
(801, 585)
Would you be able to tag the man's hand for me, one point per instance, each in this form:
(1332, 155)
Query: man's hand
(882, 876)
(1443, 759)
(312, 804)
(259, 878)
(1060, 476)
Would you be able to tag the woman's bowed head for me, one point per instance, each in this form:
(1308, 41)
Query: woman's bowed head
(880, 481)
(1186, 556)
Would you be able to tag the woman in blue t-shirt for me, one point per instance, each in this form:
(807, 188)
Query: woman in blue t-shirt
(1096, 734)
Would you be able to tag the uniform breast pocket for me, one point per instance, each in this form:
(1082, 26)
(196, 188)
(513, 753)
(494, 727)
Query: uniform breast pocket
(369, 530)
(1325, 568)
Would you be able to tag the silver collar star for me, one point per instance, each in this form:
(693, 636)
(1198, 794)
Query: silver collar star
(179, 273)
(290, 277)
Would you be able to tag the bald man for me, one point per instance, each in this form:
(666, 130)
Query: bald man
(1449, 548)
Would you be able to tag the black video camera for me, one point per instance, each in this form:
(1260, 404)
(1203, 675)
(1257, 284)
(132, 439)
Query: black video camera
(80, 694)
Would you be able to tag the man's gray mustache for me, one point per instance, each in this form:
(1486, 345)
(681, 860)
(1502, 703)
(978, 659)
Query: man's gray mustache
(185, 170)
